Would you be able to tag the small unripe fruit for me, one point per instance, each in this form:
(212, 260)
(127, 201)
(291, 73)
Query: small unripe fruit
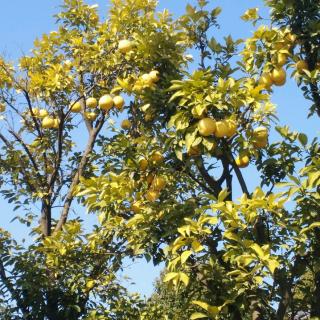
(207, 127)
(281, 59)
(91, 116)
(146, 79)
(260, 143)
(152, 195)
(76, 107)
(302, 65)
(157, 157)
(56, 123)
(159, 183)
(125, 45)
(48, 122)
(106, 102)
(154, 74)
(242, 161)
(91, 103)
(232, 127)
(221, 129)
(143, 164)
(42, 113)
(260, 133)
(118, 102)
(266, 80)
(279, 76)
(126, 124)
(149, 178)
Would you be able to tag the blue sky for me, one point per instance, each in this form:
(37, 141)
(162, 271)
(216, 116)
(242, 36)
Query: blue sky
(22, 21)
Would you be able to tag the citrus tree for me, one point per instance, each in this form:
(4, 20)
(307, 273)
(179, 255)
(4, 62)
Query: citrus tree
(57, 106)
(162, 167)
(253, 251)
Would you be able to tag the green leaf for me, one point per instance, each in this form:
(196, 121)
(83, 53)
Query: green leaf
(303, 139)
(198, 315)
(272, 265)
(184, 278)
(170, 276)
(185, 255)
(196, 246)
(250, 14)
(258, 250)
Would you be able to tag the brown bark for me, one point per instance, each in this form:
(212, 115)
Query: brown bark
(76, 178)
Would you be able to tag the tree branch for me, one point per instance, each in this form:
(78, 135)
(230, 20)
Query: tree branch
(81, 167)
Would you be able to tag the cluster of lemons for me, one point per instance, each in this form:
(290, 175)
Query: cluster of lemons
(227, 128)
(224, 128)
(156, 183)
(278, 75)
(259, 140)
(105, 103)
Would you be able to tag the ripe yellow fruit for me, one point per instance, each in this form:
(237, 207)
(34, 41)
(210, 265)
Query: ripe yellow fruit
(118, 102)
(152, 195)
(2, 107)
(232, 127)
(91, 103)
(242, 161)
(281, 59)
(126, 124)
(266, 80)
(207, 127)
(159, 183)
(154, 74)
(260, 143)
(157, 157)
(260, 137)
(56, 123)
(147, 79)
(302, 65)
(91, 116)
(106, 102)
(143, 163)
(150, 178)
(125, 45)
(136, 207)
(48, 122)
(42, 113)
(76, 107)
(279, 76)
(222, 129)
(260, 133)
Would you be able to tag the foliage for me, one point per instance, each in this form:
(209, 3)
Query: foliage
(165, 186)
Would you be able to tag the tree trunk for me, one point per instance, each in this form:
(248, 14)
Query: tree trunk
(45, 218)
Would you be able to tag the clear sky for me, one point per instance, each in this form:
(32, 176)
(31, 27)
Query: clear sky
(22, 21)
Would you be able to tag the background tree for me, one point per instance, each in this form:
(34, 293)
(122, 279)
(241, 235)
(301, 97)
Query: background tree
(70, 83)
